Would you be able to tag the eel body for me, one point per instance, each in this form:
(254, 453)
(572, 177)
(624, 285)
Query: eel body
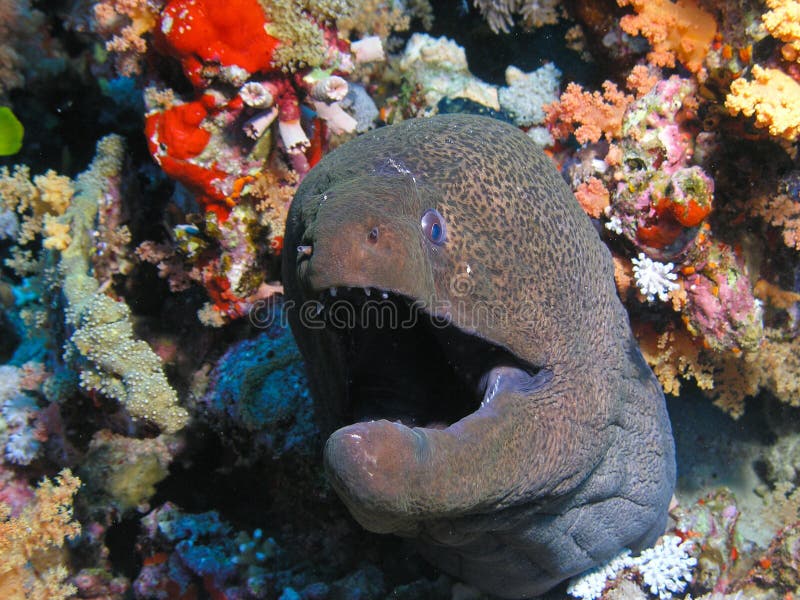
(463, 337)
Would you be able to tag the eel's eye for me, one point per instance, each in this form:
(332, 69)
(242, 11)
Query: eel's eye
(433, 226)
(372, 236)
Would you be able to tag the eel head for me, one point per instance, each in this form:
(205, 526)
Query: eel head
(419, 382)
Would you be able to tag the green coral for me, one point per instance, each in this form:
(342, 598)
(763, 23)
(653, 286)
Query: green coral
(119, 366)
(123, 472)
(297, 24)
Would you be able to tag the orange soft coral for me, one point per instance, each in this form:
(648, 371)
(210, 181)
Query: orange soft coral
(783, 22)
(593, 113)
(679, 30)
(593, 197)
(674, 355)
(780, 209)
(31, 543)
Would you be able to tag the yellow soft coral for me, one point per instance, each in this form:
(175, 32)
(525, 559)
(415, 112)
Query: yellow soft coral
(48, 194)
(783, 22)
(56, 234)
(679, 30)
(124, 23)
(772, 97)
(31, 544)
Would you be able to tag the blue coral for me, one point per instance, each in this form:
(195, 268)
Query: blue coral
(258, 397)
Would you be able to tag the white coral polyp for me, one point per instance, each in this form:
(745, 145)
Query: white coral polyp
(330, 89)
(654, 279)
(294, 138)
(256, 94)
(666, 568)
(18, 410)
(254, 128)
(337, 119)
(591, 584)
(10, 380)
(21, 447)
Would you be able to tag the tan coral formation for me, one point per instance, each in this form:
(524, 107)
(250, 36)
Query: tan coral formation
(499, 14)
(728, 379)
(33, 566)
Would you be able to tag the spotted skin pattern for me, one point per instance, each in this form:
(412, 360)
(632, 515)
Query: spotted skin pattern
(553, 476)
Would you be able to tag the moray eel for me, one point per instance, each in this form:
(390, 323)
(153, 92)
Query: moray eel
(459, 320)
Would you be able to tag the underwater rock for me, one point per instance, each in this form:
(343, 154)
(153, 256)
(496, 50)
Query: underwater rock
(258, 399)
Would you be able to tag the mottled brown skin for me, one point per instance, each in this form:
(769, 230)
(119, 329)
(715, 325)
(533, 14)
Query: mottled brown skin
(551, 477)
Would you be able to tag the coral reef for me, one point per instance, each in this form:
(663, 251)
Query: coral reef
(664, 570)
(499, 14)
(679, 30)
(25, 45)
(674, 122)
(241, 153)
(772, 97)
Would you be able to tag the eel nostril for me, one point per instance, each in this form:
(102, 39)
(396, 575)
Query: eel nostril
(372, 236)
(304, 251)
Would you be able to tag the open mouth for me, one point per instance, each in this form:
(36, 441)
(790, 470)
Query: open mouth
(404, 365)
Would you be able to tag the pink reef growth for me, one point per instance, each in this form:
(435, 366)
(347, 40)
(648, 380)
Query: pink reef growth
(721, 307)
(711, 525)
(660, 197)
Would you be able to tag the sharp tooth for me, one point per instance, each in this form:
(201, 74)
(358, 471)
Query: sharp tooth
(333, 292)
(319, 309)
(367, 291)
(385, 295)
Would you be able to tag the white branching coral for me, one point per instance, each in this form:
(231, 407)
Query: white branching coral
(614, 224)
(654, 279)
(667, 567)
(590, 585)
(664, 569)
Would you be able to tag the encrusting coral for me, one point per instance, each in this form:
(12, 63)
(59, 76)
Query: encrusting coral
(269, 83)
